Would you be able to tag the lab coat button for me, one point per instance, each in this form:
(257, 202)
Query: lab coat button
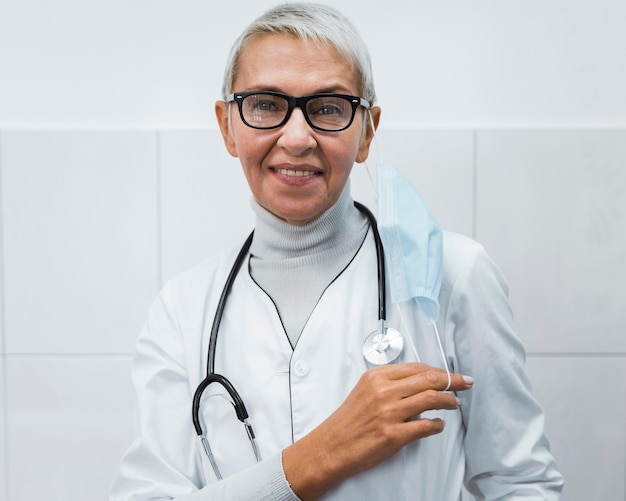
(302, 368)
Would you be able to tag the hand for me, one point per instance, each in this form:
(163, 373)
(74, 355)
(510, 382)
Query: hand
(375, 421)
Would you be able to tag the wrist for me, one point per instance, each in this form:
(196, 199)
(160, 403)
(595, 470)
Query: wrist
(309, 469)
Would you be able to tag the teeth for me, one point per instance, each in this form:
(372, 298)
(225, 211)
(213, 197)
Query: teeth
(296, 173)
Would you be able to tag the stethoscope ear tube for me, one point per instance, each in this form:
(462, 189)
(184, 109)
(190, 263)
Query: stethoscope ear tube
(222, 303)
(382, 284)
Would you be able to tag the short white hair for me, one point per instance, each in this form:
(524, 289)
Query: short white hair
(308, 21)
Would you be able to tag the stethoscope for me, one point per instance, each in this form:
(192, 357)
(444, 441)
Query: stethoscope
(380, 347)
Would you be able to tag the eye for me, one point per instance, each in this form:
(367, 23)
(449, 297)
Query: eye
(328, 107)
(265, 103)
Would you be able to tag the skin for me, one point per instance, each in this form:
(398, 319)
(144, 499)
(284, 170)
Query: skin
(378, 417)
(286, 64)
(375, 421)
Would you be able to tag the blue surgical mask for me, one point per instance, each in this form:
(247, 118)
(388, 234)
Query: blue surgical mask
(412, 239)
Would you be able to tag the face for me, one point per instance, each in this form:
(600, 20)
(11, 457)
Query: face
(294, 171)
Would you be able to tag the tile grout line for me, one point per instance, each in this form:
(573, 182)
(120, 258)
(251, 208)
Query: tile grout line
(475, 184)
(68, 356)
(3, 346)
(128, 356)
(159, 214)
(573, 354)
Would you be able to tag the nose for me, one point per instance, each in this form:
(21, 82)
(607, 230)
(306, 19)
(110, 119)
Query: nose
(297, 136)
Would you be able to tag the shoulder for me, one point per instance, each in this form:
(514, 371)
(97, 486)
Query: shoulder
(177, 313)
(458, 249)
(460, 255)
(467, 265)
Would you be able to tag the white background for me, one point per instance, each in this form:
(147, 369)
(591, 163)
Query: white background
(158, 63)
(509, 116)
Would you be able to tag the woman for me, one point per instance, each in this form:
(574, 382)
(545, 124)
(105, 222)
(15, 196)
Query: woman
(327, 424)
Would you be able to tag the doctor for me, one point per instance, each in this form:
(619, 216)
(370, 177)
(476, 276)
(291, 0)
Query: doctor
(453, 409)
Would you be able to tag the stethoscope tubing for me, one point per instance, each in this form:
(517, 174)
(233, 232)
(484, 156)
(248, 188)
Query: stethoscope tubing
(221, 305)
(213, 377)
(219, 311)
(382, 283)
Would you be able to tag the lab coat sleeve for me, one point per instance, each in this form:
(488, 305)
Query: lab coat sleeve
(163, 462)
(507, 453)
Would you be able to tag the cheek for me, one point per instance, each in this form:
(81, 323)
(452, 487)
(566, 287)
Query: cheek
(342, 163)
(347, 152)
(249, 147)
(252, 153)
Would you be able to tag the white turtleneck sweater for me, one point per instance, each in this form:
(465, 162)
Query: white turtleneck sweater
(295, 264)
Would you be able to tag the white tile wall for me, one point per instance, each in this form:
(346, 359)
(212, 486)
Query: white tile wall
(4, 493)
(79, 239)
(585, 405)
(551, 209)
(92, 221)
(69, 422)
(205, 198)
(3, 437)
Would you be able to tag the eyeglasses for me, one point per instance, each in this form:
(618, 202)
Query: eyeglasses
(269, 110)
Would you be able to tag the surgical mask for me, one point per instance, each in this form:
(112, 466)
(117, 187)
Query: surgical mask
(412, 240)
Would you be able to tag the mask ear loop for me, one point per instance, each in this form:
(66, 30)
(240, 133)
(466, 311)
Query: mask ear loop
(406, 329)
(378, 157)
(443, 356)
(439, 343)
(402, 320)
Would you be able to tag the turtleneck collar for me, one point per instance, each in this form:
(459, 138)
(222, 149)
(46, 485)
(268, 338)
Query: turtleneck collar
(334, 231)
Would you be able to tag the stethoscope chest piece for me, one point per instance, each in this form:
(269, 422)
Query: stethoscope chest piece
(383, 346)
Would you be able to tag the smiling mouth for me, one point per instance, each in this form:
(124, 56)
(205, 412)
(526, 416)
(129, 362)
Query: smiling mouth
(297, 173)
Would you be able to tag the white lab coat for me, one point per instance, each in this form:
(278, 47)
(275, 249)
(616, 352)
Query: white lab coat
(494, 443)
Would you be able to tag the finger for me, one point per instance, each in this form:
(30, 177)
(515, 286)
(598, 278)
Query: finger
(416, 429)
(433, 380)
(429, 400)
(401, 371)
(398, 371)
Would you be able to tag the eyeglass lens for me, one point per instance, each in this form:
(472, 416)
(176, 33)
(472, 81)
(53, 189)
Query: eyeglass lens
(268, 110)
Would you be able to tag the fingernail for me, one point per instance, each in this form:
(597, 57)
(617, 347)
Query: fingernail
(468, 380)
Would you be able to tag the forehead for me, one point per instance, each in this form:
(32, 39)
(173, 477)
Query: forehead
(283, 62)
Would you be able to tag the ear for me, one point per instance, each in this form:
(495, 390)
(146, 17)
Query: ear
(223, 120)
(368, 134)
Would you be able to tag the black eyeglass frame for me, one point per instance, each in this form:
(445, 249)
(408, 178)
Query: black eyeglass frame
(297, 102)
